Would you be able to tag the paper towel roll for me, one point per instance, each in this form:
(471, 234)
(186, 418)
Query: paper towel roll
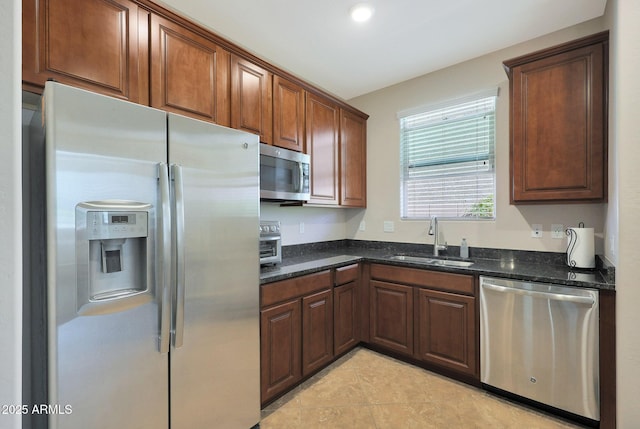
(581, 249)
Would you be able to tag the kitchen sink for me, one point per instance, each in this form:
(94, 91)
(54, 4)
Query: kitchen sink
(432, 261)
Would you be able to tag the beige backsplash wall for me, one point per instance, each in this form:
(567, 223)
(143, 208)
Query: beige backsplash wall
(512, 227)
(320, 224)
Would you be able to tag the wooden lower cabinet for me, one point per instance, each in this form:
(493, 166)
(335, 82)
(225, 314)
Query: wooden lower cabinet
(391, 316)
(445, 327)
(317, 331)
(280, 342)
(345, 317)
(429, 315)
(296, 331)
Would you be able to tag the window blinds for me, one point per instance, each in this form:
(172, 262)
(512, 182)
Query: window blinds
(447, 160)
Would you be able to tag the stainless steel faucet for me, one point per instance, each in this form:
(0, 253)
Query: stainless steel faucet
(433, 230)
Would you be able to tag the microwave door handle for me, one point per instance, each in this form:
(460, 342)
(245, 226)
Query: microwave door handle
(300, 177)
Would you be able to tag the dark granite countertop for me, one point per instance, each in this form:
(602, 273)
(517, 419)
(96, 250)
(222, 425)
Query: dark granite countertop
(544, 267)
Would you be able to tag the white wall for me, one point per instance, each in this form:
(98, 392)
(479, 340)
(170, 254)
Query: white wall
(512, 227)
(10, 210)
(622, 215)
(319, 223)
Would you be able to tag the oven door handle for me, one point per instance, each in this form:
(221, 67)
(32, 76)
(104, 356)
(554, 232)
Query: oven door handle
(270, 238)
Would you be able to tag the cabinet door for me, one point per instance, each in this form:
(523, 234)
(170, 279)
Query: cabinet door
(558, 125)
(189, 73)
(92, 44)
(392, 316)
(288, 114)
(446, 332)
(353, 160)
(345, 317)
(317, 331)
(322, 126)
(251, 98)
(280, 348)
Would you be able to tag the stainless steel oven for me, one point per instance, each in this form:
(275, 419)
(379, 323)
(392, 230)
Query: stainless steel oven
(270, 242)
(284, 174)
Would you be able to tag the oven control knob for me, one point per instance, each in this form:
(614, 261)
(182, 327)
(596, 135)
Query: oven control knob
(273, 228)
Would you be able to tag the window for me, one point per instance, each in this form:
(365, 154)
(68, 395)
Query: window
(447, 159)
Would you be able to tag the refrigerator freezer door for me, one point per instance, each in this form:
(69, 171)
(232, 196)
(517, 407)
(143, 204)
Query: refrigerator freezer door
(215, 361)
(105, 367)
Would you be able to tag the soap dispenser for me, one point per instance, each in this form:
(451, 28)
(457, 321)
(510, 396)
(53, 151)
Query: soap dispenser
(464, 249)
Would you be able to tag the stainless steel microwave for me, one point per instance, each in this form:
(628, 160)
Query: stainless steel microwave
(284, 174)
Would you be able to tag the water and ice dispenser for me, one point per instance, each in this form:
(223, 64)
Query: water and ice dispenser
(114, 254)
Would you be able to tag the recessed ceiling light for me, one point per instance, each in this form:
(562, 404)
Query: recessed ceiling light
(361, 12)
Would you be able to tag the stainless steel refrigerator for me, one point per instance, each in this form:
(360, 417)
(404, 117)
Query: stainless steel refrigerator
(152, 271)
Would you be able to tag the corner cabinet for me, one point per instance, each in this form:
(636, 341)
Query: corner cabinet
(322, 140)
(558, 122)
(336, 142)
(189, 73)
(98, 45)
(346, 323)
(353, 160)
(317, 331)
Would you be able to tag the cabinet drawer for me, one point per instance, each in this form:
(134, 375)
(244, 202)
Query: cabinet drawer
(291, 288)
(347, 274)
(450, 282)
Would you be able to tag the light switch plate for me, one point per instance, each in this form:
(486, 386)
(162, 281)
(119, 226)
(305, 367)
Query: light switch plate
(388, 226)
(362, 226)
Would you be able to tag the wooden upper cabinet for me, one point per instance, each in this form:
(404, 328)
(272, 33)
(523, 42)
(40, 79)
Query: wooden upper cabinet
(288, 114)
(251, 104)
(558, 120)
(353, 160)
(189, 73)
(322, 144)
(98, 45)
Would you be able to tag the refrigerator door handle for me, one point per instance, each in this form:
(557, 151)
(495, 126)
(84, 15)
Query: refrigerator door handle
(163, 258)
(178, 309)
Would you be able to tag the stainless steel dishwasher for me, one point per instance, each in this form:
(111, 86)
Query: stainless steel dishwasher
(540, 341)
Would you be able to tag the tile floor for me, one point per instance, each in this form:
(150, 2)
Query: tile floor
(364, 389)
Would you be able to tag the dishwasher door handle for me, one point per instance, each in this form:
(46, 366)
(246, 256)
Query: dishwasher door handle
(544, 295)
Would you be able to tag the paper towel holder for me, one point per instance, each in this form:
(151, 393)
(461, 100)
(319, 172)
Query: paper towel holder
(580, 242)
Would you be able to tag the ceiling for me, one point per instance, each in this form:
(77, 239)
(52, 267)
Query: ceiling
(317, 41)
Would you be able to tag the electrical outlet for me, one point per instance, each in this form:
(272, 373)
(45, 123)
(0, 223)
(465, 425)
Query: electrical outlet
(301, 227)
(557, 230)
(536, 230)
(362, 226)
(388, 226)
